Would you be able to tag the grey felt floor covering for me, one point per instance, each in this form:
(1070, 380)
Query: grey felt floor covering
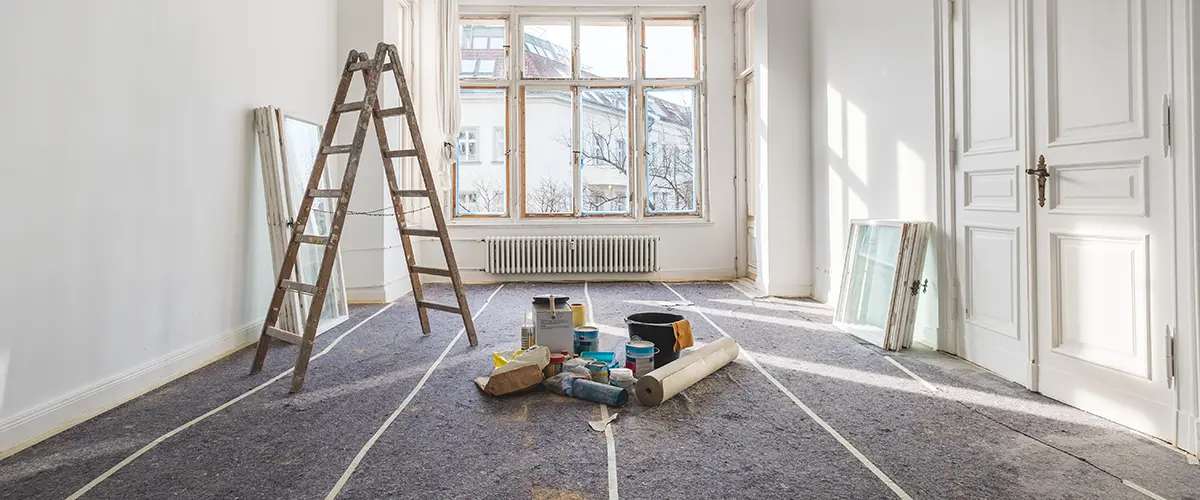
(736, 434)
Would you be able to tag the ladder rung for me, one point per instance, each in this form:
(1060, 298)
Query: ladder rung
(350, 106)
(413, 193)
(388, 67)
(400, 153)
(361, 65)
(313, 239)
(325, 193)
(430, 270)
(440, 307)
(386, 112)
(284, 335)
(431, 233)
(333, 150)
(299, 287)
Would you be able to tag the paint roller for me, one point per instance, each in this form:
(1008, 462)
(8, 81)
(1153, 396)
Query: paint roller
(664, 383)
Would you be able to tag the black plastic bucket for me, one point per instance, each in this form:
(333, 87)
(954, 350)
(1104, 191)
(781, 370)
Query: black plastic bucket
(656, 327)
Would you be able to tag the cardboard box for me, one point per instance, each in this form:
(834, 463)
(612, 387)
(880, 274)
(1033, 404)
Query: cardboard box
(553, 324)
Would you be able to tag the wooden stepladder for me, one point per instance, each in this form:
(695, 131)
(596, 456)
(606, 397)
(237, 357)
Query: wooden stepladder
(386, 60)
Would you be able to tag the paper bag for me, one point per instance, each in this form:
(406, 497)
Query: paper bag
(520, 373)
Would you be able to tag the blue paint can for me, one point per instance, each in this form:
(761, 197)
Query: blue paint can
(587, 338)
(610, 395)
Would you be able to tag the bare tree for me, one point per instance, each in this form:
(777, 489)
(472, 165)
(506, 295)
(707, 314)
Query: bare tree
(550, 197)
(670, 170)
(485, 196)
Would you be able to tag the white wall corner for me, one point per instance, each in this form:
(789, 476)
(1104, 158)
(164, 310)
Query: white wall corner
(30, 427)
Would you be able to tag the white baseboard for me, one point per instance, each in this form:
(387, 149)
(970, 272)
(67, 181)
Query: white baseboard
(30, 427)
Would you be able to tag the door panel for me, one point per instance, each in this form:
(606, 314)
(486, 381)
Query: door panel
(1089, 42)
(991, 210)
(1104, 241)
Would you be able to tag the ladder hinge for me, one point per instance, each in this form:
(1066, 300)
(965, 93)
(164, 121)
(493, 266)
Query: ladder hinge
(1170, 357)
(1166, 124)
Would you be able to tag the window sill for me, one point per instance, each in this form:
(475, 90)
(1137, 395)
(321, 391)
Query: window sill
(470, 162)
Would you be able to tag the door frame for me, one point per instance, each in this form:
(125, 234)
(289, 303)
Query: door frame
(1184, 84)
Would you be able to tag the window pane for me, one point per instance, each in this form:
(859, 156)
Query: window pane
(499, 144)
(604, 125)
(549, 176)
(670, 49)
(547, 50)
(604, 49)
(482, 45)
(872, 269)
(670, 150)
(481, 187)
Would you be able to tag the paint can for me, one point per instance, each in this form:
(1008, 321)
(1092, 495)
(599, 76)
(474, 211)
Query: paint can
(587, 338)
(600, 393)
(639, 356)
(578, 315)
(599, 371)
(621, 377)
(555, 367)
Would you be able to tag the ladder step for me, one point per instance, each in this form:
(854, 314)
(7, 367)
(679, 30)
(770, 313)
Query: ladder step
(431, 233)
(361, 65)
(299, 287)
(413, 193)
(350, 106)
(400, 153)
(284, 335)
(333, 150)
(313, 239)
(432, 271)
(386, 112)
(440, 307)
(325, 193)
(388, 67)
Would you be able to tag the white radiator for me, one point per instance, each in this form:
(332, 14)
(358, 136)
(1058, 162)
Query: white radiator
(571, 254)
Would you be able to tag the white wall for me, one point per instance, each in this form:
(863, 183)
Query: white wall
(680, 239)
(782, 147)
(135, 233)
(874, 118)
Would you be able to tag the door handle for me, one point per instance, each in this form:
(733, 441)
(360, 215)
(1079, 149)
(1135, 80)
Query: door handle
(1041, 173)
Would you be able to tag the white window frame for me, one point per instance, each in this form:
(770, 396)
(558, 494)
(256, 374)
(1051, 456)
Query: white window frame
(515, 18)
(469, 131)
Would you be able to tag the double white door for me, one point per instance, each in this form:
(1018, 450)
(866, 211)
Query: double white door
(1066, 264)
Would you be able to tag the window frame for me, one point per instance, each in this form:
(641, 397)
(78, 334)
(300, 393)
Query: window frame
(515, 20)
(453, 205)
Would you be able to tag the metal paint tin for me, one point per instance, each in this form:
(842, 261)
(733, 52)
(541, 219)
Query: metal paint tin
(587, 338)
(599, 371)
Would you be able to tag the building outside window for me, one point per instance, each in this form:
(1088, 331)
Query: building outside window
(595, 121)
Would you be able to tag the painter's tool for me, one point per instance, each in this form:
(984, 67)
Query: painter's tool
(600, 393)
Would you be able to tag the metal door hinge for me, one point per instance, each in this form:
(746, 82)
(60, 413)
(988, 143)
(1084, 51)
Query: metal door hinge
(1166, 124)
(919, 287)
(1170, 357)
(953, 151)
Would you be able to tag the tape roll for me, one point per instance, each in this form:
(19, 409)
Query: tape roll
(665, 382)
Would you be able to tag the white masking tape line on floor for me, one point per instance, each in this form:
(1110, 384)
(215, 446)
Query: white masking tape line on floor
(916, 377)
(214, 411)
(1142, 490)
(811, 414)
(337, 488)
(609, 440)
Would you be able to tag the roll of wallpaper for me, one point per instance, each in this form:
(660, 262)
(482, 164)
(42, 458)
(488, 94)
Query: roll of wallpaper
(665, 382)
